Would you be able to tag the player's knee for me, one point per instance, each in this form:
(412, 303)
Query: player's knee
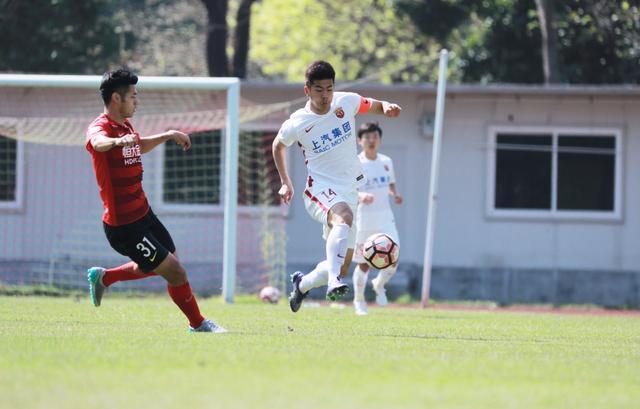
(345, 217)
(180, 274)
(175, 273)
(364, 267)
(341, 214)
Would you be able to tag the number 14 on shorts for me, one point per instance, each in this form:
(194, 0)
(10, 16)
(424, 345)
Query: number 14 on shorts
(329, 195)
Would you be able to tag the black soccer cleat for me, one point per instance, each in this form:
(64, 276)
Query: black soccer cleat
(296, 297)
(336, 289)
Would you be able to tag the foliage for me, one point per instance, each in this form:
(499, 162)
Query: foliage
(170, 37)
(360, 39)
(60, 36)
(499, 40)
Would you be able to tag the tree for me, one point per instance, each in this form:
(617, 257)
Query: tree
(63, 36)
(217, 33)
(546, 15)
(576, 41)
(171, 39)
(363, 39)
(241, 40)
(491, 41)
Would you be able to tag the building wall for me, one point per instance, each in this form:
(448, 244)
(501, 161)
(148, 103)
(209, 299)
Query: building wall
(465, 235)
(466, 238)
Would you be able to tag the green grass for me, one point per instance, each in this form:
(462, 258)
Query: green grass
(61, 352)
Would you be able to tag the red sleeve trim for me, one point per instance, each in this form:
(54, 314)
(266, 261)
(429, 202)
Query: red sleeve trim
(365, 105)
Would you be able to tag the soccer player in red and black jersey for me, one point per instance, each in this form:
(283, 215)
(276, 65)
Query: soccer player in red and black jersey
(130, 225)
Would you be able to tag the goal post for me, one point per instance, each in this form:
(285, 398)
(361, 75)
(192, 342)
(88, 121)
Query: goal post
(433, 178)
(231, 139)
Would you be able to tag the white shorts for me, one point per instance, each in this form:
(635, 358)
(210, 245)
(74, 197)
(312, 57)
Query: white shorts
(318, 200)
(362, 236)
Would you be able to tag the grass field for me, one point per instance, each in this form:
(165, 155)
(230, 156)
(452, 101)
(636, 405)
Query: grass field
(61, 352)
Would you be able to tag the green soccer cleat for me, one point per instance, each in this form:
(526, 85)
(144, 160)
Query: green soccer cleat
(96, 288)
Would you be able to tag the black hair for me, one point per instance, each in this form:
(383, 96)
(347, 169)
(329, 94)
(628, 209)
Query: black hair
(369, 127)
(319, 70)
(116, 81)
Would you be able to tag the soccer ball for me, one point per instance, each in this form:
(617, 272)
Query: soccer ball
(381, 251)
(270, 294)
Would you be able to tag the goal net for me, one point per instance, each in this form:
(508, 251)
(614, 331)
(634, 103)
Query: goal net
(50, 209)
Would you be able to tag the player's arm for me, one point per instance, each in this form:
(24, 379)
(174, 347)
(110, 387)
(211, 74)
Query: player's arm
(279, 150)
(385, 108)
(365, 198)
(102, 143)
(147, 143)
(393, 192)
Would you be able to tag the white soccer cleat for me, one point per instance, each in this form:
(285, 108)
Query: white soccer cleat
(381, 293)
(360, 307)
(209, 326)
(336, 289)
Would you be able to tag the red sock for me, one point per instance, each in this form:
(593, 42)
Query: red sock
(125, 272)
(186, 301)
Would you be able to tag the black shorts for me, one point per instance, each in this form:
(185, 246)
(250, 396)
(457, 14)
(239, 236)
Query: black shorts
(145, 241)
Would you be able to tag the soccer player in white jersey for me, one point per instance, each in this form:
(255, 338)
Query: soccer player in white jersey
(374, 213)
(325, 130)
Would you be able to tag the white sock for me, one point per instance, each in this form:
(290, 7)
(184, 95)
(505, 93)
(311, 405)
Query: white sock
(337, 248)
(359, 283)
(316, 278)
(385, 275)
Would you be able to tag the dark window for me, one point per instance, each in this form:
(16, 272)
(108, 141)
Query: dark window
(8, 162)
(193, 177)
(586, 172)
(523, 171)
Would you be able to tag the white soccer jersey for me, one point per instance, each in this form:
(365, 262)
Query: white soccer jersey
(329, 141)
(378, 176)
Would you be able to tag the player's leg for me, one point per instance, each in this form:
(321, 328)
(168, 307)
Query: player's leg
(385, 275)
(303, 283)
(360, 273)
(340, 219)
(101, 278)
(178, 287)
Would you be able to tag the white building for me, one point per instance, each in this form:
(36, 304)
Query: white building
(536, 201)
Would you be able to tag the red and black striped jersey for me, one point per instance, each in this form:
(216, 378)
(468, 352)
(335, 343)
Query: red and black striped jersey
(118, 173)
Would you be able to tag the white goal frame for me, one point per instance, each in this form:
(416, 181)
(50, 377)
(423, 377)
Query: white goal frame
(232, 88)
(433, 179)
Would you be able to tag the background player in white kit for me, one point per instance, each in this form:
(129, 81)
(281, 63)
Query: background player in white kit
(374, 213)
(325, 130)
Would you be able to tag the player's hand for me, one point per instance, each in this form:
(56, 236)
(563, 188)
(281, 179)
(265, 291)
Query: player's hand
(366, 198)
(397, 199)
(286, 192)
(127, 140)
(391, 110)
(181, 139)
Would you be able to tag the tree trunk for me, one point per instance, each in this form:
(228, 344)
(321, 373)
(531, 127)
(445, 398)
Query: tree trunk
(217, 61)
(241, 43)
(546, 15)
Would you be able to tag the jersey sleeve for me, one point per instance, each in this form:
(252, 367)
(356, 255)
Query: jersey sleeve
(356, 104)
(287, 133)
(392, 173)
(95, 129)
